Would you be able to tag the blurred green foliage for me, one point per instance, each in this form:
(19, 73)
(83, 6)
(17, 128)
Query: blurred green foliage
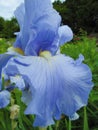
(5, 44)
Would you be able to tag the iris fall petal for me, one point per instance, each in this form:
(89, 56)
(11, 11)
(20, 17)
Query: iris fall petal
(4, 98)
(58, 85)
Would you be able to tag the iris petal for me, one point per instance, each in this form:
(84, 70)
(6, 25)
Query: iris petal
(53, 48)
(65, 34)
(18, 42)
(4, 98)
(36, 9)
(18, 81)
(75, 116)
(19, 14)
(26, 96)
(58, 85)
(46, 31)
(42, 122)
(3, 60)
(38, 26)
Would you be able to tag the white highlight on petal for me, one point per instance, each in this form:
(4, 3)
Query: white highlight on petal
(75, 116)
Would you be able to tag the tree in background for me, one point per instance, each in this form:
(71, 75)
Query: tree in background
(75, 13)
(10, 27)
(2, 21)
(79, 14)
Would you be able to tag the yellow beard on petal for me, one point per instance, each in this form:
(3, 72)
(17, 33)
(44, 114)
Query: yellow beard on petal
(18, 50)
(45, 54)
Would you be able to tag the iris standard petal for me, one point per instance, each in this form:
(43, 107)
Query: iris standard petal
(58, 85)
(19, 14)
(54, 47)
(40, 17)
(36, 8)
(46, 30)
(4, 98)
(65, 34)
(18, 42)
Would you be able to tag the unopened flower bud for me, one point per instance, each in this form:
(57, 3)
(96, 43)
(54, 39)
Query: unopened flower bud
(14, 111)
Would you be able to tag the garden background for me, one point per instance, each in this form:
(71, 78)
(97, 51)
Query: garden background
(82, 17)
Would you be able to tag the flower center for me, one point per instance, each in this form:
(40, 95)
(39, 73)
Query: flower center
(45, 54)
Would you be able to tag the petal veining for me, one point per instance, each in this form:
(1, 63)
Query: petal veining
(58, 86)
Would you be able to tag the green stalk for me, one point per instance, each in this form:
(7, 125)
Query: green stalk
(69, 125)
(50, 128)
(66, 123)
(13, 124)
(12, 120)
(42, 128)
(57, 125)
(6, 120)
(85, 126)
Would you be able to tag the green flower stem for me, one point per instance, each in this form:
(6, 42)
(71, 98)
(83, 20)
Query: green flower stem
(69, 125)
(13, 122)
(85, 127)
(50, 127)
(42, 128)
(57, 125)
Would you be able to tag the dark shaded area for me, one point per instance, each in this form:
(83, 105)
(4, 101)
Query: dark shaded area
(8, 27)
(79, 14)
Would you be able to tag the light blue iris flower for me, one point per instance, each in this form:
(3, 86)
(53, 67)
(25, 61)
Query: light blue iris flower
(4, 98)
(4, 94)
(55, 84)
